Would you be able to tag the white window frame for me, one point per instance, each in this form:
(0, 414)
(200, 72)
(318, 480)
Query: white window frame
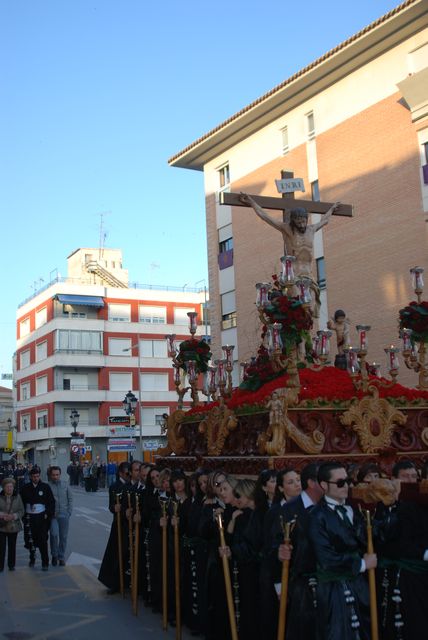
(120, 347)
(153, 416)
(285, 145)
(39, 384)
(24, 327)
(23, 362)
(41, 317)
(42, 414)
(157, 314)
(223, 176)
(150, 378)
(25, 391)
(310, 125)
(148, 348)
(124, 376)
(182, 311)
(43, 344)
(119, 312)
(25, 422)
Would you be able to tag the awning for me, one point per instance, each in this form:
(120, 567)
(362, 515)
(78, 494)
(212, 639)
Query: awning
(81, 301)
(43, 446)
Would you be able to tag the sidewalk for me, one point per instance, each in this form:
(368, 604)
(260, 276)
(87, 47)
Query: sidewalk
(35, 605)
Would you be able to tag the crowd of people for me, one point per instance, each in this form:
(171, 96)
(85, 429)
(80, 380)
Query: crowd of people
(328, 594)
(41, 509)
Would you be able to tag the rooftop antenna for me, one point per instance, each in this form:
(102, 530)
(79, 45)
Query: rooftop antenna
(103, 234)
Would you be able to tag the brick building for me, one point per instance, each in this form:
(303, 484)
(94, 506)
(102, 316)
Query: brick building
(354, 125)
(82, 343)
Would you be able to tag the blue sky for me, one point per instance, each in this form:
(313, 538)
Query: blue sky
(97, 95)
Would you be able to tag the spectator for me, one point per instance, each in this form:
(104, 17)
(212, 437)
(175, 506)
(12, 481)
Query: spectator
(111, 473)
(86, 473)
(11, 513)
(59, 524)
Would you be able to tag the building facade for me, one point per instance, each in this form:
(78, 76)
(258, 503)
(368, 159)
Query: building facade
(83, 342)
(6, 418)
(354, 126)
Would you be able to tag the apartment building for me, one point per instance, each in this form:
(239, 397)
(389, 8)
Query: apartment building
(354, 126)
(84, 342)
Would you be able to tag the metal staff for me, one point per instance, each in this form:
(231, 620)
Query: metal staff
(131, 548)
(164, 571)
(119, 544)
(226, 571)
(177, 574)
(136, 553)
(372, 582)
(284, 586)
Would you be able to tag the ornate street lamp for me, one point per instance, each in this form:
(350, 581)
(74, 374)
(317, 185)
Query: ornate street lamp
(130, 403)
(74, 420)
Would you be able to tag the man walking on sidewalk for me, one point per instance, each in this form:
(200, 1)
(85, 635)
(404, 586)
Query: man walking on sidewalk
(63, 508)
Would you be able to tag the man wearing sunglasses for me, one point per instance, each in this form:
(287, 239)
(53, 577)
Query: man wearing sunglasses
(338, 536)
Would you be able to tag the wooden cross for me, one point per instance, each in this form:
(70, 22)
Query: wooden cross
(287, 202)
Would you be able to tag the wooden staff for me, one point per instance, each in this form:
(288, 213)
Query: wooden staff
(131, 548)
(164, 571)
(282, 618)
(372, 582)
(226, 571)
(119, 545)
(136, 553)
(177, 575)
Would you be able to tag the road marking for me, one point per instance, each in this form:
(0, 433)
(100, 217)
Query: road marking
(94, 521)
(84, 578)
(80, 560)
(27, 590)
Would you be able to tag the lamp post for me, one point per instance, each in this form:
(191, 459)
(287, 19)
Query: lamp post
(74, 420)
(140, 421)
(129, 404)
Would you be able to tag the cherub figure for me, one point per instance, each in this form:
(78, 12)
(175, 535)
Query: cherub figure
(340, 325)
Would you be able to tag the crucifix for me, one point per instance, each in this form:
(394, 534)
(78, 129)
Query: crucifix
(297, 234)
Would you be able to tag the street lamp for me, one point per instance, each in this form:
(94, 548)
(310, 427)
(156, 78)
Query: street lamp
(129, 403)
(74, 419)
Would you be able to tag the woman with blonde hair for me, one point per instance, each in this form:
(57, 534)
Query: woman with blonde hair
(11, 514)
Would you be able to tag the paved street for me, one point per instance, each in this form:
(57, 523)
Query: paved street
(69, 601)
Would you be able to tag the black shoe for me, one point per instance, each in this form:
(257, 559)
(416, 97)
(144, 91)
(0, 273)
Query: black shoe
(11, 568)
(31, 563)
(45, 567)
(54, 561)
(61, 563)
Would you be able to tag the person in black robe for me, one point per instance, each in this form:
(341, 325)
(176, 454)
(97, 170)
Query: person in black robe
(39, 504)
(338, 536)
(152, 513)
(109, 571)
(302, 589)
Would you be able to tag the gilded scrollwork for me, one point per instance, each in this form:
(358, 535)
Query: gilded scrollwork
(424, 436)
(216, 427)
(374, 420)
(176, 442)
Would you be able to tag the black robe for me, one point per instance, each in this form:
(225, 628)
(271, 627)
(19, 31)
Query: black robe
(36, 526)
(343, 597)
(109, 573)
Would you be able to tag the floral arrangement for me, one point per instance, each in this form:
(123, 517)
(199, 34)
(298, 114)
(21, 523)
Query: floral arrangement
(296, 320)
(415, 317)
(193, 349)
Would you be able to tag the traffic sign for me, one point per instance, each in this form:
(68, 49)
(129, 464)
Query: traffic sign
(74, 448)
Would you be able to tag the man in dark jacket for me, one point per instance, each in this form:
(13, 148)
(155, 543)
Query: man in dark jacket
(39, 505)
(337, 534)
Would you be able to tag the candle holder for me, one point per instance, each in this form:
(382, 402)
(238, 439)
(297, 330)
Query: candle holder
(192, 315)
(393, 363)
(323, 345)
(262, 296)
(228, 360)
(418, 281)
(303, 285)
(363, 330)
(416, 359)
(171, 345)
(287, 278)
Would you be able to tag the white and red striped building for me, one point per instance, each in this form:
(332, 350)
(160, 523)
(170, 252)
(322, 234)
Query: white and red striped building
(82, 343)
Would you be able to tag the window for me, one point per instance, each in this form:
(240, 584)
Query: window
(25, 391)
(41, 351)
(228, 320)
(284, 138)
(154, 382)
(41, 385)
(42, 419)
(153, 416)
(41, 317)
(83, 416)
(119, 347)
(228, 302)
(425, 152)
(74, 314)
(321, 273)
(120, 381)
(69, 340)
(25, 422)
(153, 349)
(224, 176)
(24, 327)
(225, 245)
(24, 359)
(119, 312)
(315, 191)
(310, 125)
(152, 315)
(180, 315)
(75, 382)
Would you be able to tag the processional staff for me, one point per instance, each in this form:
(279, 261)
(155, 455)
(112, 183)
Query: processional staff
(177, 573)
(282, 617)
(163, 504)
(226, 572)
(136, 553)
(119, 545)
(372, 582)
(131, 546)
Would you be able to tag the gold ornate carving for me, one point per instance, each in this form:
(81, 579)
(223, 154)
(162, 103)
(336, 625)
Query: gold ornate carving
(176, 444)
(217, 426)
(373, 419)
(424, 436)
(273, 442)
